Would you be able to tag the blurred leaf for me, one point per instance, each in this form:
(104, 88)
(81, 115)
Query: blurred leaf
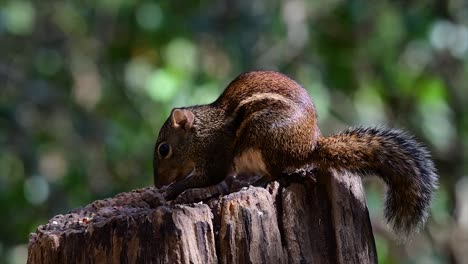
(436, 114)
(36, 189)
(181, 55)
(431, 91)
(149, 16)
(19, 17)
(162, 85)
(369, 104)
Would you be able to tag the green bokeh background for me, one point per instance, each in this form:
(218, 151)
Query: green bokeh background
(85, 86)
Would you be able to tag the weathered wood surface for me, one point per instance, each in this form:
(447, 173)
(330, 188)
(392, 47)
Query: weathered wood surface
(322, 219)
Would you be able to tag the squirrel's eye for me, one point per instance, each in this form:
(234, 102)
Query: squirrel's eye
(164, 150)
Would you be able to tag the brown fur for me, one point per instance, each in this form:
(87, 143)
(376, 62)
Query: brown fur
(269, 120)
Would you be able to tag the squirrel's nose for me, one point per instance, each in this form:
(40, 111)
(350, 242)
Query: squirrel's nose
(161, 178)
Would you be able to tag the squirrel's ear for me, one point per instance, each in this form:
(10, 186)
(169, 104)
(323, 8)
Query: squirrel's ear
(182, 118)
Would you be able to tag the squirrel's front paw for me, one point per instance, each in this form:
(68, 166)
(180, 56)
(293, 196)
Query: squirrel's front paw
(194, 195)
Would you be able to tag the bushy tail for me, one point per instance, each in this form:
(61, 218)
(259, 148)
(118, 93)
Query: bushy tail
(403, 163)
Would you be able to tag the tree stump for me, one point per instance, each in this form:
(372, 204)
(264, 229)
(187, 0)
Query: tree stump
(322, 219)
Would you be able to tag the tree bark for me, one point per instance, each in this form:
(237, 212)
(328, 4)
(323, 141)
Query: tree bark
(320, 219)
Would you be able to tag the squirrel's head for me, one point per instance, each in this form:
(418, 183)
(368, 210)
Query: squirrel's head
(172, 159)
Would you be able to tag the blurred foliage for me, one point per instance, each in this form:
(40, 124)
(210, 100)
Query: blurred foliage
(85, 86)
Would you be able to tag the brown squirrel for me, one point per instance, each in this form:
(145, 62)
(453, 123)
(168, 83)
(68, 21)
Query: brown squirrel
(265, 124)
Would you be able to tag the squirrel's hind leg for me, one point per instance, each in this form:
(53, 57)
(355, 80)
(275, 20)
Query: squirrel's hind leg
(265, 141)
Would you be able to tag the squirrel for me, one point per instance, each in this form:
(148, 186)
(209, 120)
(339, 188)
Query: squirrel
(265, 124)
